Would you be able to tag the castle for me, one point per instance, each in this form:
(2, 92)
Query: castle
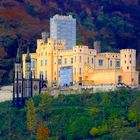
(81, 65)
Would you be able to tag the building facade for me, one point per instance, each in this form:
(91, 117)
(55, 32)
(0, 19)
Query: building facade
(81, 65)
(63, 28)
(24, 87)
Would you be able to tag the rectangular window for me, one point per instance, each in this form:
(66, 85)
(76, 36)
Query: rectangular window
(88, 60)
(100, 62)
(92, 60)
(65, 61)
(110, 63)
(41, 63)
(59, 61)
(118, 63)
(46, 62)
(71, 60)
(75, 59)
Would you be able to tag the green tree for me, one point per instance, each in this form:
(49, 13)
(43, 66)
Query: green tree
(31, 116)
(134, 111)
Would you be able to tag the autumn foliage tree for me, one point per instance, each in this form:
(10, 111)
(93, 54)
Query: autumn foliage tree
(31, 116)
(42, 132)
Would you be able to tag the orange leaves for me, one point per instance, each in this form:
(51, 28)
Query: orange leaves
(42, 132)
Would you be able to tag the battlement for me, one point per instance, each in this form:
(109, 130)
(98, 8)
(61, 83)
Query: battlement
(62, 17)
(128, 50)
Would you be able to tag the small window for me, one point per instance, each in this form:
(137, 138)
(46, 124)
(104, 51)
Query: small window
(59, 61)
(80, 71)
(46, 62)
(65, 61)
(72, 60)
(130, 61)
(100, 62)
(41, 63)
(127, 68)
(111, 63)
(118, 63)
(75, 59)
(130, 55)
(88, 60)
(125, 61)
(92, 60)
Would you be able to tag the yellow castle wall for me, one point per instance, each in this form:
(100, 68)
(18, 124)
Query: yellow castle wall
(85, 64)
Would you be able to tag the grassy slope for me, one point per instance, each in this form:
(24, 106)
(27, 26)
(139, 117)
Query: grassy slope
(72, 117)
(115, 23)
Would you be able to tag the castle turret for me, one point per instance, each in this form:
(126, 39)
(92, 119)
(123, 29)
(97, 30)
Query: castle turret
(18, 69)
(128, 66)
(27, 64)
(97, 46)
(128, 60)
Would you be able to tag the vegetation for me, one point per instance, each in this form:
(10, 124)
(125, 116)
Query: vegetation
(115, 23)
(102, 116)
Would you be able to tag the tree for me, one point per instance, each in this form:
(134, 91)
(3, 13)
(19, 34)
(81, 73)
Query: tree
(134, 111)
(93, 131)
(42, 132)
(45, 106)
(31, 116)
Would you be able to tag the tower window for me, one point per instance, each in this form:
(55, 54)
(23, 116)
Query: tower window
(41, 63)
(127, 68)
(65, 61)
(110, 63)
(80, 71)
(100, 62)
(46, 62)
(59, 61)
(118, 63)
(92, 60)
(75, 59)
(88, 60)
(71, 60)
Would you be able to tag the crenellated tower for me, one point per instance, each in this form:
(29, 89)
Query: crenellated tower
(18, 66)
(28, 64)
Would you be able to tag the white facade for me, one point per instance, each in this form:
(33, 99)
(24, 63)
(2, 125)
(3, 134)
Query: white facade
(63, 28)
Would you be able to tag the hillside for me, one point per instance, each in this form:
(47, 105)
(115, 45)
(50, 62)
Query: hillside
(115, 23)
(102, 116)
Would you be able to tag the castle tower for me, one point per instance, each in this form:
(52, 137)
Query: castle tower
(128, 66)
(27, 65)
(97, 46)
(18, 68)
(128, 60)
